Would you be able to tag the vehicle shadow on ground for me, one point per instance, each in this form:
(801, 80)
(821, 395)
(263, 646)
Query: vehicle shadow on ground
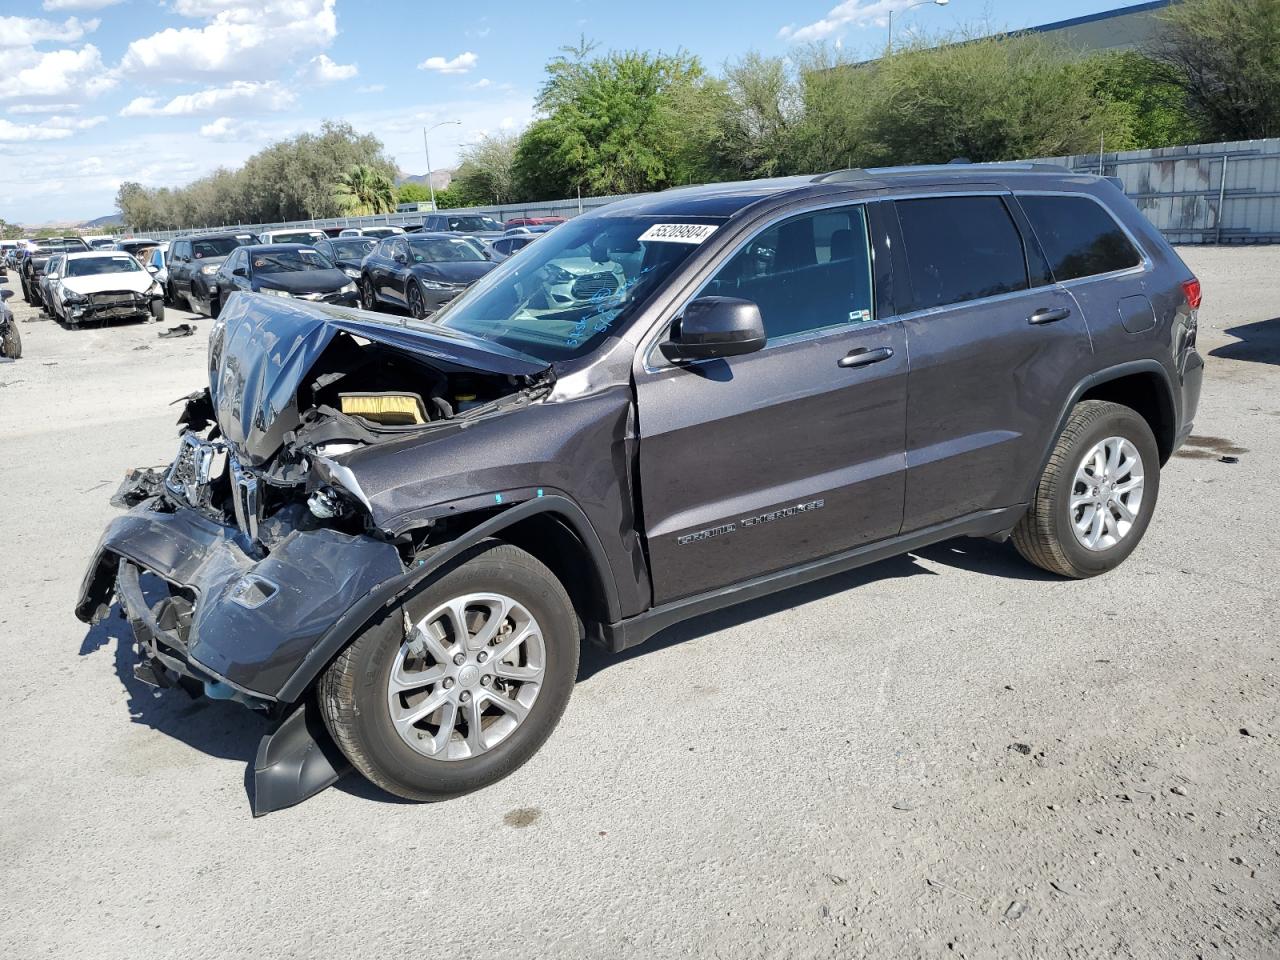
(974, 555)
(1258, 342)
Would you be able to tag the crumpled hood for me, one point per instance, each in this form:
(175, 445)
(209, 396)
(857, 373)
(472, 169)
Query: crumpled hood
(139, 281)
(261, 349)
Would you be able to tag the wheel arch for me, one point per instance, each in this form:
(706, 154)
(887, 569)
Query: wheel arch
(563, 538)
(1142, 385)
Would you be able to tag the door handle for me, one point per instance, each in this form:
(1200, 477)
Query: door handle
(863, 357)
(1046, 315)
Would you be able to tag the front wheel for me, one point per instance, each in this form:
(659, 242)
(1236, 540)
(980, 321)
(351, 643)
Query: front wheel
(417, 302)
(1097, 493)
(462, 684)
(368, 299)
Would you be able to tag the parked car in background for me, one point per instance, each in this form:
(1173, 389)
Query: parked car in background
(481, 245)
(106, 285)
(193, 264)
(290, 236)
(157, 264)
(473, 223)
(49, 282)
(533, 230)
(376, 232)
(34, 258)
(283, 270)
(10, 337)
(504, 247)
(420, 272)
(134, 245)
(532, 222)
(347, 253)
(102, 243)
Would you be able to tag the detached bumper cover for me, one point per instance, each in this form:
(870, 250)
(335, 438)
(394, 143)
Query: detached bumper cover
(254, 619)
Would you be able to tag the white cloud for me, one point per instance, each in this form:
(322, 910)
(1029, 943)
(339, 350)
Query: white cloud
(240, 95)
(27, 31)
(23, 132)
(242, 38)
(67, 74)
(74, 123)
(857, 12)
(481, 84)
(323, 70)
(44, 108)
(462, 63)
(225, 130)
(79, 4)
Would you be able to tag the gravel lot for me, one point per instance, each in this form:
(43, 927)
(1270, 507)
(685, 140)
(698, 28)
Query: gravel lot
(946, 754)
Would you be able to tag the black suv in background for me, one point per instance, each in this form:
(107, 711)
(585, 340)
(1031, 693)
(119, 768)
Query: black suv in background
(36, 257)
(193, 262)
(474, 223)
(396, 533)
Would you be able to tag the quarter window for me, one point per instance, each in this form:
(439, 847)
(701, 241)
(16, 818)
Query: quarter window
(961, 248)
(1079, 237)
(806, 273)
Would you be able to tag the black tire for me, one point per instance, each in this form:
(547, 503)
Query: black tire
(170, 300)
(417, 301)
(353, 690)
(157, 311)
(11, 344)
(1044, 536)
(368, 299)
(215, 307)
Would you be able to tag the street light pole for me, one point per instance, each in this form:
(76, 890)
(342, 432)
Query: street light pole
(912, 6)
(426, 148)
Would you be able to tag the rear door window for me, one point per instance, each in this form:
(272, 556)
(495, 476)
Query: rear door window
(1080, 238)
(960, 249)
(806, 273)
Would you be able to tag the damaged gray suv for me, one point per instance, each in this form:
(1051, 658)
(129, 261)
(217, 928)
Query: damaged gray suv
(391, 536)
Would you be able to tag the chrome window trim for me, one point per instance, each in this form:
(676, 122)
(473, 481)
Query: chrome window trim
(1145, 265)
(980, 302)
(649, 343)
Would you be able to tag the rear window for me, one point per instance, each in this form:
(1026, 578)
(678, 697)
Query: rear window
(961, 248)
(1080, 238)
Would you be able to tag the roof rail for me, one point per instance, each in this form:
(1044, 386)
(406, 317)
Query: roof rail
(871, 173)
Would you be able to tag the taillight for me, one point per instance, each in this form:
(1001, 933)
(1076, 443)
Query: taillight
(1192, 289)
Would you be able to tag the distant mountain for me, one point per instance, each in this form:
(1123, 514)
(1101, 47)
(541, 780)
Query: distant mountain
(110, 220)
(440, 179)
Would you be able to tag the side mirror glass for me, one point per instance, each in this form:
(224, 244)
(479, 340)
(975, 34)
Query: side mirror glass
(152, 268)
(239, 272)
(713, 327)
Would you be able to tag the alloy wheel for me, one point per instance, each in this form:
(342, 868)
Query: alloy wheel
(1106, 494)
(367, 300)
(466, 676)
(417, 306)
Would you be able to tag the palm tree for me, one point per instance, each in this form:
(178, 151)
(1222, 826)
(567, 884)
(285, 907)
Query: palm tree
(363, 190)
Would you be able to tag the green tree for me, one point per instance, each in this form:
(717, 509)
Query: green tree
(1147, 94)
(1226, 55)
(413, 193)
(363, 190)
(488, 169)
(609, 124)
(756, 113)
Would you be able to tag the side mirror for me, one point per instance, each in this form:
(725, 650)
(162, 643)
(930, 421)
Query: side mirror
(5, 294)
(400, 258)
(714, 327)
(239, 272)
(152, 268)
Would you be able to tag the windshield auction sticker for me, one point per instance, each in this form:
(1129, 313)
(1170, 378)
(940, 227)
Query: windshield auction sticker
(677, 233)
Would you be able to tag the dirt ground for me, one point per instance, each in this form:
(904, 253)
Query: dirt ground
(946, 754)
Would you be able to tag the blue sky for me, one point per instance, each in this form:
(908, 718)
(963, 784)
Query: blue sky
(101, 91)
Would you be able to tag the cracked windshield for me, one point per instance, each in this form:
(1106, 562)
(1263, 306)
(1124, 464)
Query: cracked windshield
(567, 292)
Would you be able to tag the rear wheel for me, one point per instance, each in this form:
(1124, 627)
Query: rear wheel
(11, 343)
(462, 684)
(1097, 493)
